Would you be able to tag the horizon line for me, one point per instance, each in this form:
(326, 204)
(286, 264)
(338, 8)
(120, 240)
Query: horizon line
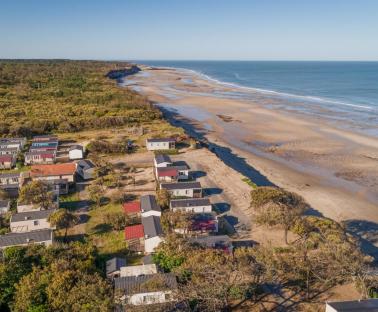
(185, 60)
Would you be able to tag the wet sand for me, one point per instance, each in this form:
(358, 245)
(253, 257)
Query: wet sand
(335, 170)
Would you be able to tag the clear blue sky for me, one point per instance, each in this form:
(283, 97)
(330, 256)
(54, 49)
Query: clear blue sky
(192, 29)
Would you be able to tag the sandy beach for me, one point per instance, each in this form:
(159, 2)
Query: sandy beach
(335, 170)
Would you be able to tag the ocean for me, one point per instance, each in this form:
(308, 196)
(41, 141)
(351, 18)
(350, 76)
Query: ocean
(343, 92)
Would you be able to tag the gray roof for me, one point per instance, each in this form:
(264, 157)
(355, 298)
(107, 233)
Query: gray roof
(40, 152)
(10, 175)
(181, 185)
(79, 147)
(162, 158)
(355, 306)
(161, 140)
(85, 164)
(114, 264)
(139, 284)
(152, 226)
(148, 203)
(9, 186)
(190, 202)
(9, 149)
(13, 239)
(13, 140)
(4, 203)
(210, 240)
(45, 136)
(32, 215)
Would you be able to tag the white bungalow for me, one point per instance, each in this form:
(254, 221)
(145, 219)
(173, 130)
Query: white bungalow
(191, 205)
(160, 144)
(30, 221)
(145, 289)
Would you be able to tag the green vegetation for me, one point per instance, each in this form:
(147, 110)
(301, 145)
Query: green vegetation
(38, 97)
(250, 183)
(56, 278)
(172, 151)
(275, 206)
(37, 193)
(63, 219)
(100, 230)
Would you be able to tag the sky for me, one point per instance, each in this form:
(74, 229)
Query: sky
(190, 30)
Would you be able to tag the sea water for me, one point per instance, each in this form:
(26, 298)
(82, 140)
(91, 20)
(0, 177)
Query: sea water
(343, 92)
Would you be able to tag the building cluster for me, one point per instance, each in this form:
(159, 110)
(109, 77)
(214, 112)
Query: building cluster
(146, 284)
(10, 149)
(29, 224)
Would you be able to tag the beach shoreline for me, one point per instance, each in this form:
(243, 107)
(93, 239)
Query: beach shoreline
(335, 170)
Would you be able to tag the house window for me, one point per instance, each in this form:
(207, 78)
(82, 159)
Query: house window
(36, 222)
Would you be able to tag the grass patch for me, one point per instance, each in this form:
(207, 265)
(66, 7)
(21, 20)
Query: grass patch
(69, 201)
(107, 240)
(250, 183)
(173, 151)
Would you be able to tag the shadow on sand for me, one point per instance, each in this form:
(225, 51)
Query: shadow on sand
(225, 154)
(367, 233)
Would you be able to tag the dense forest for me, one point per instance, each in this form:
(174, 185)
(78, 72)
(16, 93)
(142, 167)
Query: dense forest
(45, 96)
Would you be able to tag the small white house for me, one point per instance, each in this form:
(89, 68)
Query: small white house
(136, 270)
(4, 206)
(30, 221)
(12, 143)
(368, 305)
(149, 206)
(183, 189)
(40, 157)
(192, 205)
(172, 173)
(76, 152)
(145, 289)
(153, 233)
(162, 161)
(45, 237)
(9, 151)
(160, 144)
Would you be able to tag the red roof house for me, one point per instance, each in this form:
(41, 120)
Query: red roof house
(167, 174)
(7, 161)
(132, 207)
(134, 232)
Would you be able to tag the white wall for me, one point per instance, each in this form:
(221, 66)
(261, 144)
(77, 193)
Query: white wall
(186, 193)
(153, 146)
(150, 297)
(28, 225)
(162, 165)
(330, 309)
(195, 209)
(151, 243)
(70, 177)
(183, 174)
